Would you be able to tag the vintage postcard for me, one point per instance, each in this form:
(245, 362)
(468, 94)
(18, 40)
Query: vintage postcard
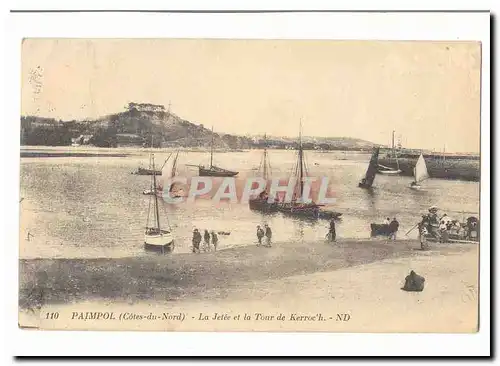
(250, 185)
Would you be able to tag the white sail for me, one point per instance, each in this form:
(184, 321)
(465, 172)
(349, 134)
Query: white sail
(166, 172)
(420, 170)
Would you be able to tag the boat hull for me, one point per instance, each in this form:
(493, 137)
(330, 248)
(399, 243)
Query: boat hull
(379, 230)
(203, 172)
(142, 171)
(389, 172)
(262, 205)
(159, 242)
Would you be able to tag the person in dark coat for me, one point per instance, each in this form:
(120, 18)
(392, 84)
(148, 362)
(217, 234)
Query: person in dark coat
(196, 241)
(260, 235)
(393, 228)
(215, 240)
(414, 282)
(206, 236)
(269, 235)
(332, 233)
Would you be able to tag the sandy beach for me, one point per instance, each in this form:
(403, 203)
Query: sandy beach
(360, 278)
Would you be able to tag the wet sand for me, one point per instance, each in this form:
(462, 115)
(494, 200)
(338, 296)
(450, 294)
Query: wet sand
(212, 275)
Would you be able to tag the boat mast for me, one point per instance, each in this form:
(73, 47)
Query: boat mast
(157, 212)
(212, 149)
(265, 157)
(393, 132)
(301, 168)
(174, 165)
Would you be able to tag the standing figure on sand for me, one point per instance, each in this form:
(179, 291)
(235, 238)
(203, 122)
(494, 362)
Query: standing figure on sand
(260, 235)
(196, 241)
(215, 240)
(269, 235)
(332, 232)
(206, 242)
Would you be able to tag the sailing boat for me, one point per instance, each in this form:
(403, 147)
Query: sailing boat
(151, 191)
(156, 238)
(169, 172)
(388, 170)
(261, 203)
(367, 181)
(212, 170)
(295, 208)
(419, 172)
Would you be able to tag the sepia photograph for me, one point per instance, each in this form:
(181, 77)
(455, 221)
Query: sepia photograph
(274, 185)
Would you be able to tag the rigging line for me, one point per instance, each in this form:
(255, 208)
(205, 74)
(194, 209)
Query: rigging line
(166, 216)
(149, 212)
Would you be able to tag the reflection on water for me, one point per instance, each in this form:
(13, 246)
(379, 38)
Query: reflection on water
(94, 207)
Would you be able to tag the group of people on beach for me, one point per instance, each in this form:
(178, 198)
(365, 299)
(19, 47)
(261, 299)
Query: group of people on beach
(207, 238)
(393, 227)
(264, 232)
(444, 228)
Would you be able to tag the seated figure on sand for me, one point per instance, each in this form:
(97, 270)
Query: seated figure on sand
(414, 282)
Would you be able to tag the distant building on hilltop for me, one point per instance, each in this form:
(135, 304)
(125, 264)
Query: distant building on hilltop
(146, 107)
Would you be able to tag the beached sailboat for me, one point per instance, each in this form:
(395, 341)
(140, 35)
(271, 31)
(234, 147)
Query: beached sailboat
(419, 172)
(299, 209)
(212, 170)
(261, 203)
(367, 181)
(156, 238)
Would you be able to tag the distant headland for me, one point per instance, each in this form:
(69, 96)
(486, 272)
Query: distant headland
(151, 125)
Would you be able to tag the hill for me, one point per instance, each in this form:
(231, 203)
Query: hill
(144, 124)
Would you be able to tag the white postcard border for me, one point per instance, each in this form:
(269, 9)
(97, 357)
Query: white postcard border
(406, 26)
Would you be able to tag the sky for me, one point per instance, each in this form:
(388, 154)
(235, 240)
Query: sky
(428, 92)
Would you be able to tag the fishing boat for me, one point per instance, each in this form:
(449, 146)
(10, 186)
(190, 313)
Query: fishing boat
(382, 169)
(261, 203)
(419, 172)
(299, 209)
(169, 171)
(156, 238)
(367, 181)
(151, 191)
(144, 171)
(212, 170)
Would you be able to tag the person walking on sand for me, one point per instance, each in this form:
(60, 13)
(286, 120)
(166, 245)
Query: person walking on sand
(206, 236)
(269, 235)
(332, 233)
(196, 241)
(260, 235)
(393, 228)
(215, 240)
(423, 237)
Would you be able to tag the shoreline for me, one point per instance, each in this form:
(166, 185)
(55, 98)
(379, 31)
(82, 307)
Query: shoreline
(176, 277)
(369, 295)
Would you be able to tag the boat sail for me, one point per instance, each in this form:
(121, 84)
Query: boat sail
(388, 170)
(212, 170)
(159, 188)
(419, 172)
(156, 238)
(169, 172)
(367, 181)
(295, 207)
(261, 202)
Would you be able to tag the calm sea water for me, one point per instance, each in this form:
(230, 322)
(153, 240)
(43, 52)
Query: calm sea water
(93, 207)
